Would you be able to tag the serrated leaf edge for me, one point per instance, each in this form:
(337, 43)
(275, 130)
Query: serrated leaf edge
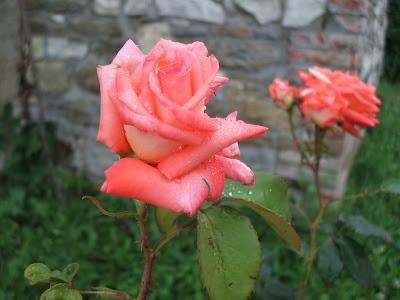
(198, 256)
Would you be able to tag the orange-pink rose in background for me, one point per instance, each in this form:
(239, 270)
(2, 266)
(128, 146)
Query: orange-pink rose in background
(154, 106)
(336, 97)
(282, 93)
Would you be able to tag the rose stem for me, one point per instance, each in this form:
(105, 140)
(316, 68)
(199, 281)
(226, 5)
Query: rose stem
(323, 204)
(147, 251)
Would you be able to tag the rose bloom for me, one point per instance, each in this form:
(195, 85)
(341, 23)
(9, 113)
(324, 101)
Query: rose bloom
(335, 97)
(153, 106)
(282, 93)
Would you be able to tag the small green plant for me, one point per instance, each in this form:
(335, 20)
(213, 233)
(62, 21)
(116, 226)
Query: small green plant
(60, 283)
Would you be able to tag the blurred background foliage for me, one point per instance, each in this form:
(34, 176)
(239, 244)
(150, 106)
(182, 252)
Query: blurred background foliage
(36, 224)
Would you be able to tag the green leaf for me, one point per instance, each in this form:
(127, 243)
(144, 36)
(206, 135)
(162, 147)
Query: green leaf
(391, 186)
(329, 263)
(58, 276)
(228, 252)
(362, 226)
(36, 273)
(356, 261)
(71, 270)
(60, 291)
(267, 197)
(165, 219)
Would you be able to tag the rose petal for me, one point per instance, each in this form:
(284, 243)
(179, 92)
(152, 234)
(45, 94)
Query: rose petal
(203, 91)
(236, 170)
(358, 118)
(231, 151)
(132, 112)
(229, 132)
(347, 126)
(198, 49)
(175, 80)
(149, 146)
(146, 95)
(149, 123)
(129, 55)
(111, 132)
(214, 86)
(130, 58)
(323, 117)
(132, 178)
(162, 49)
(125, 92)
(195, 120)
(196, 58)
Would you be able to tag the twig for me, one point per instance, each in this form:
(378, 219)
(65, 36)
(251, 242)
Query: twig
(303, 156)
(318, 141)
(148, 253)
(170, 235)
(302, 213)
(323, 204)
(357, 196)
(111, 294)
(119, 214)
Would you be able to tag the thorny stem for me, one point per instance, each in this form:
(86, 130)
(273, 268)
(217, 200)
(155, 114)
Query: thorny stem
(318, 141)
(303, 156)
(323, 204)
(148, 253)
(313, 251)
(313, 225)
(324, 201)
(170, 235)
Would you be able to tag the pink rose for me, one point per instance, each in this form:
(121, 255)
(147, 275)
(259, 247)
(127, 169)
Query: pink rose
(282, 93)
(335, 97)
(153, 106)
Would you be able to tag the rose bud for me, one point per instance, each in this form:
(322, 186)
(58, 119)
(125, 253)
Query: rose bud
(282, 93)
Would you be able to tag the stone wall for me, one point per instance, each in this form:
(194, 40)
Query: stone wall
(9, 58)
(254, 40)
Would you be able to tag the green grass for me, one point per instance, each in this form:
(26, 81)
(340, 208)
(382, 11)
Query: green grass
(36, 227)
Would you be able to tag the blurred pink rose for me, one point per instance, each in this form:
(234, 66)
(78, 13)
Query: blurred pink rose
(337, 97)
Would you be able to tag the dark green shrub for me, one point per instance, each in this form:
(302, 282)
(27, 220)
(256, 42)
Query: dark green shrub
(392, 50)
